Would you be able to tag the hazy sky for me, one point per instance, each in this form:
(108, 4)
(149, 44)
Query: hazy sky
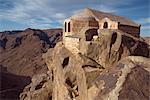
(22, 14)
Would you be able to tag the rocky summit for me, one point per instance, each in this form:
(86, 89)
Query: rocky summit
(74, 50)
(115, 67)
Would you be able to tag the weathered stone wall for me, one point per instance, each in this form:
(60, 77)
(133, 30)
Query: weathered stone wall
(111, 24)
(93, 24)
(72, 44)
(135, 31)
(69, 38)
(77, 25)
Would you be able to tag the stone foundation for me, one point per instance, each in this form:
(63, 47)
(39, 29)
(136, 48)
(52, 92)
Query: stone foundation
(72, 44)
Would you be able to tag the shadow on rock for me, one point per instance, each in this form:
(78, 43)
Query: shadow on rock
(11, 85)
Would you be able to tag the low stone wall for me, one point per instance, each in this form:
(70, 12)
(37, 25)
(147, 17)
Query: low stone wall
(72, 44)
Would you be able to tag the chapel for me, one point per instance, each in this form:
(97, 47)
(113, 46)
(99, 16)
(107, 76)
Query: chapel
(87, 23)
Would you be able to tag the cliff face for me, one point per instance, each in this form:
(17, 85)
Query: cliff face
(118, 75)
(111, 46)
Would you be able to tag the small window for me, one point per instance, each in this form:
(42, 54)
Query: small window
(65, 26)
(105, 25)
(69, 27)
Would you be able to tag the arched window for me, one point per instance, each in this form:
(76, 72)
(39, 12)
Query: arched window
(65, 26)
(69, 27)
(105, 25)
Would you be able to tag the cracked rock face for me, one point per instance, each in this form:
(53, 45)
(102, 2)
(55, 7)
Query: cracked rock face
(83, 79)
(121, 75)
(112, 46)
(127, 80)
(39, 89)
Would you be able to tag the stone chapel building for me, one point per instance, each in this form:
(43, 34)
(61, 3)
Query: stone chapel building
(85, 26)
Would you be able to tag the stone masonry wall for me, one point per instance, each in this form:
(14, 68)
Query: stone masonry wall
(111, 24)
(135, 31)
(72, 44)
(93, 24)
(77, 25)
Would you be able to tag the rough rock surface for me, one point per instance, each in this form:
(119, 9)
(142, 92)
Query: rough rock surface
(39, 89)
(111, 46)
(121, 74)
(76, 79)
(128, 80)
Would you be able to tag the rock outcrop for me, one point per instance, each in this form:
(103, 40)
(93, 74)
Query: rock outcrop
(113, 45)
(114, 68)
(39, 89)
(73, 79)
(129, 80)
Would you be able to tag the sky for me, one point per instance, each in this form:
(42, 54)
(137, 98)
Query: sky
(45, 14)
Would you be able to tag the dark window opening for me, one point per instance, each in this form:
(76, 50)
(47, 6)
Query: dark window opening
(65, 26)
(105, 25)
(69, 27)
(65, 62)
(90, 33)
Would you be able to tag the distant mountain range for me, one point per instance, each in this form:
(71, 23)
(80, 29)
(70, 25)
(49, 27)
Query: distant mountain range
(21, 56)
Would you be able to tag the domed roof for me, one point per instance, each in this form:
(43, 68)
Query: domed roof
(83, 15)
